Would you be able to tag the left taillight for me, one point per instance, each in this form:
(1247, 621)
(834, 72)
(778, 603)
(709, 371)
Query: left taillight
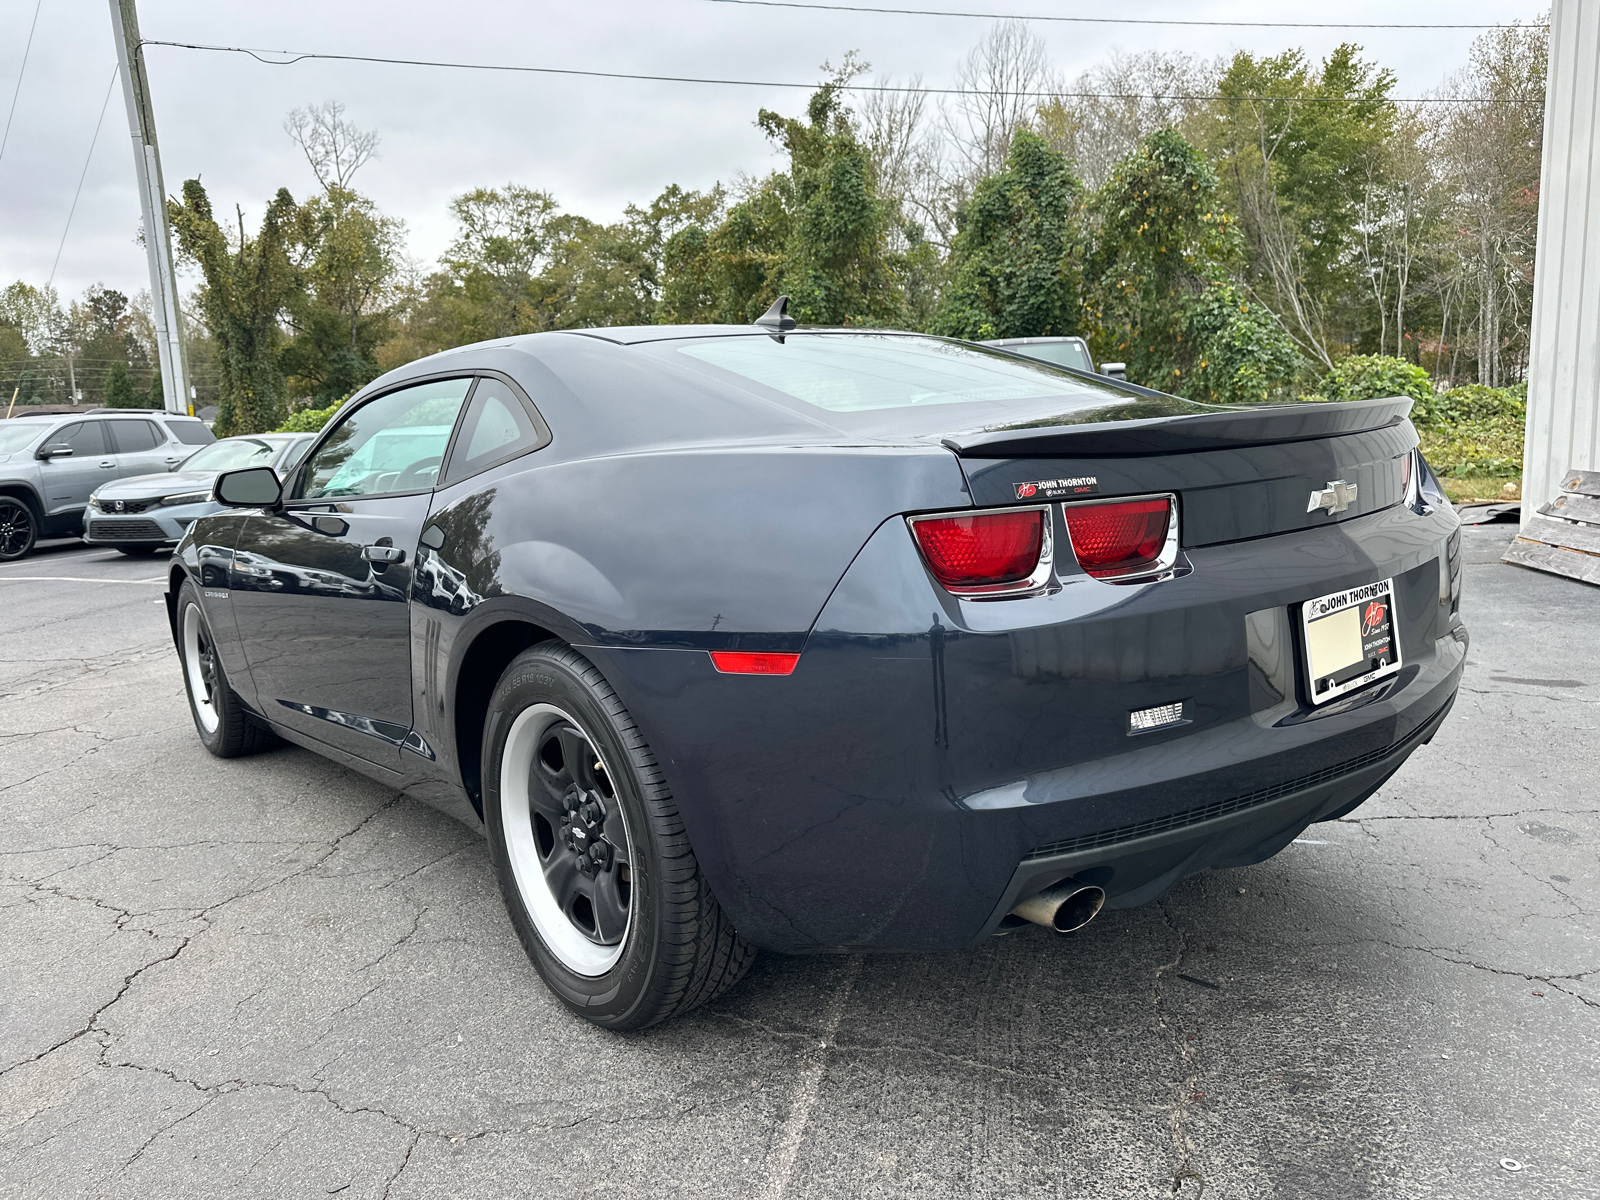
(986, 553)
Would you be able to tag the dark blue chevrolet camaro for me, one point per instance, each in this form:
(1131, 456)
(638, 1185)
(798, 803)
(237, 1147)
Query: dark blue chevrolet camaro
(820, 640)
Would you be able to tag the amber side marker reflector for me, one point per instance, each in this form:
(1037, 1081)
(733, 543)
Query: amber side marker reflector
(740, 662)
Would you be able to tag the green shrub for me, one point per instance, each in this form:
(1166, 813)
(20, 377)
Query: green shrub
(1472, 402)
(1475, 449)
(1244, 357)
(310, 420)
(1373, 376)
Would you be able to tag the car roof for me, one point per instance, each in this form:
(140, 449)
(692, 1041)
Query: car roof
(1030, 341)
(100, 414)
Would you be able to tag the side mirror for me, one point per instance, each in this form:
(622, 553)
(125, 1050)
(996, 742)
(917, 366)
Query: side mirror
(57, 450)
(252, 487)
(1114, 370)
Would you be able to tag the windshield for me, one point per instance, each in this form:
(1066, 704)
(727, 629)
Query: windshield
(862, 372)
(17, 437)
(1065, 354)
(232, 453)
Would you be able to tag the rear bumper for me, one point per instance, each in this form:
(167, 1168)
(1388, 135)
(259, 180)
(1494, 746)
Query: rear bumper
(910, 782)
(1138, 863)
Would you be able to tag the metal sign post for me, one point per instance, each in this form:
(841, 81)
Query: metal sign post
(152, 200)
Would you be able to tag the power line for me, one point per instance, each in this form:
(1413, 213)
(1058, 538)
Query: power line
(83, 175)
(291, 57)
(992, 16)
(22, 70)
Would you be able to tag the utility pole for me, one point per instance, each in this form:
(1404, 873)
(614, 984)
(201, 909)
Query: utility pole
(153, 201)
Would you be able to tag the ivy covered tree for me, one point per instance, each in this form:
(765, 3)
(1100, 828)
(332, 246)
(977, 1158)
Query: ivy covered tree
(818, 232)
(1157, 287)
(1017, 259)
(348, 256)
(836, 267)
(249, 283)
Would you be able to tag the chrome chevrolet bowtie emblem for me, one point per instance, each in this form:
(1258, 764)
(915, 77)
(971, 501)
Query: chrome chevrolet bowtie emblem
(1336, 497)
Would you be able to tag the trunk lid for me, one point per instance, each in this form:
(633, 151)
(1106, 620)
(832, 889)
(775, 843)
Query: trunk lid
(1237, 474)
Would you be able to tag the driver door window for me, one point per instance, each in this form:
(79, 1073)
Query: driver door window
(390, 445)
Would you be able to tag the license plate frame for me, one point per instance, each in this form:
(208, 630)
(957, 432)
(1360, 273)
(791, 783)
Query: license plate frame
(1331, 640)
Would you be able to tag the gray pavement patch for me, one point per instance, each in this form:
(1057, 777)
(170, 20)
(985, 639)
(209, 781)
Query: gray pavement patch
(273, 977)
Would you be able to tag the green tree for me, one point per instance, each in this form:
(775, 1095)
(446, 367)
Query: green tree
(1157, 289)
(248, 285)
(836, 267)
(1016, 262)
(349, 256)
(818, 232)
(1298, 148)
(119, 391)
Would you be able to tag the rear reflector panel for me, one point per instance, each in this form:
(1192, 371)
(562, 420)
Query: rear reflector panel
(740, 662)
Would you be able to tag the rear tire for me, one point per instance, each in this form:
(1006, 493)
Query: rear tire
(19, 528)
(225, 728)
(594, 866)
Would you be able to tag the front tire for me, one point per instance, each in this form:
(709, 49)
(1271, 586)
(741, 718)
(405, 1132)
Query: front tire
(595, 868)
(225, 728)
(18, 529)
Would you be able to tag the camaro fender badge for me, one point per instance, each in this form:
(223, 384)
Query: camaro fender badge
(1336, 497)
(1056, 489)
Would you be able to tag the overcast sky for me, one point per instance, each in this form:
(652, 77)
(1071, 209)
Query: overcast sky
(597, 145)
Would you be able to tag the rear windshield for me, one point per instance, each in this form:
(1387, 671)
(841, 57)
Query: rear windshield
(232, 453)
(191, 433)
(1066, 354)
(844, 373)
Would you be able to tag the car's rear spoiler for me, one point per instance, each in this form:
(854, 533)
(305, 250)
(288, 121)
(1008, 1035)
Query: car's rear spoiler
(1139, 426)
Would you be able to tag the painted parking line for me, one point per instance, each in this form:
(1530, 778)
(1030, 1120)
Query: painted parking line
(72, 579)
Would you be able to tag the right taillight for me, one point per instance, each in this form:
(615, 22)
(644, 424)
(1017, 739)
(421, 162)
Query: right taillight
(1115, 539)
(984, 553)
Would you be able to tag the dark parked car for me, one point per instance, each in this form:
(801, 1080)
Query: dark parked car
(826, 639)
(1063, 351)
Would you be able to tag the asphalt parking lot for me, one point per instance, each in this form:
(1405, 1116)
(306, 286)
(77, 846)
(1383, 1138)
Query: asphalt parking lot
(272, 977)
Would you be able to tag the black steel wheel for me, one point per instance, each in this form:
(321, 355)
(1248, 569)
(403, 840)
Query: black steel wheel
(225, 728)
(595, 868)
(18, 528)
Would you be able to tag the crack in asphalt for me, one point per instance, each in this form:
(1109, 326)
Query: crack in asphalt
(1189, 1062)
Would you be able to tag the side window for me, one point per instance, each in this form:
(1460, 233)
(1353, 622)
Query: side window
(395, 443)
(85, 438)
(497, 427)
(130, 437)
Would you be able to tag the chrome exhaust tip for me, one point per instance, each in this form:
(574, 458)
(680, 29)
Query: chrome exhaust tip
(1065, 907)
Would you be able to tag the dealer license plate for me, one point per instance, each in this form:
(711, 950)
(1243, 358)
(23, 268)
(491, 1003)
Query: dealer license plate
(1350, 639)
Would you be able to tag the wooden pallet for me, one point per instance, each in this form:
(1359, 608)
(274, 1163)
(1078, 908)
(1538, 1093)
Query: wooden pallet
(1564, 536)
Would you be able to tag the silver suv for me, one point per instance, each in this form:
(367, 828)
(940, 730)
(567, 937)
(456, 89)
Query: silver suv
(49, 465)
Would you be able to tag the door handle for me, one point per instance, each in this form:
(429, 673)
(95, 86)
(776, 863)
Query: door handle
(107, 464)
(383, 554)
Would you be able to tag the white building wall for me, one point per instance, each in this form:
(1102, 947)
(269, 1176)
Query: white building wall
(1564, 360)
